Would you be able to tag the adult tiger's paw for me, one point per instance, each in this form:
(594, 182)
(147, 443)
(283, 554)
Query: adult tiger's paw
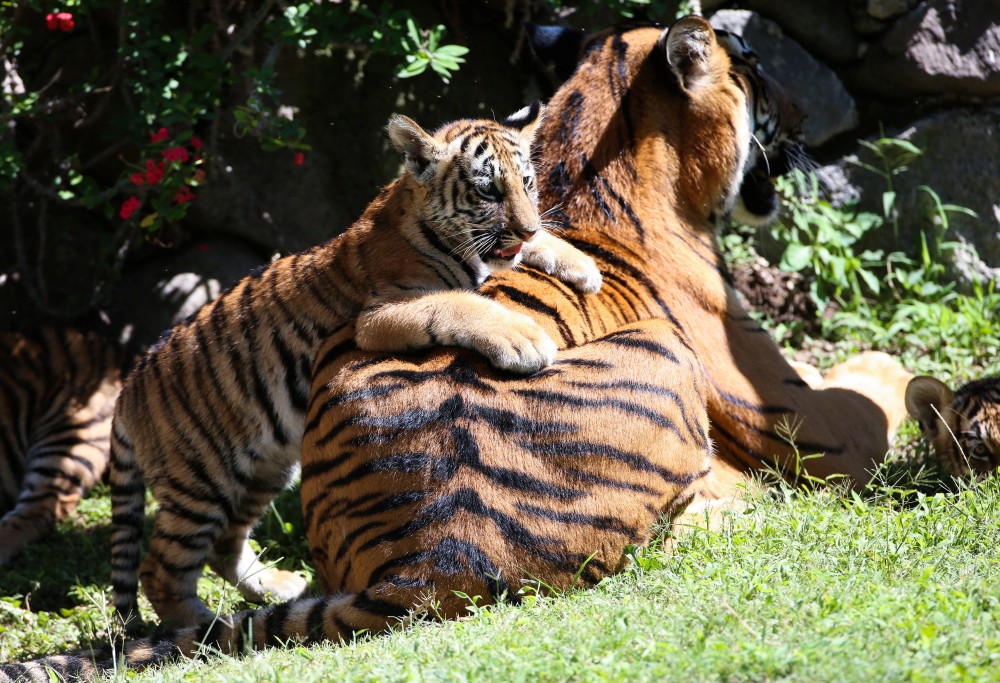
(565, 262)
(513, 342)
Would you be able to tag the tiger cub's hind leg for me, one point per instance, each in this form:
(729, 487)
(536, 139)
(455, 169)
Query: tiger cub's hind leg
(235, 560)
(178, 551)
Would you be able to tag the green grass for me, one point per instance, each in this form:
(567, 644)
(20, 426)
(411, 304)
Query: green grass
(809, 585)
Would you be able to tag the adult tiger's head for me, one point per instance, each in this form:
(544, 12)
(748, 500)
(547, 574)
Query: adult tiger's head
(476, 183)
(963, 427)
(777, 134)
(731, 126)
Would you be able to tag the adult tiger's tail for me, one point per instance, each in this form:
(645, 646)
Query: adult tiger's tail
(308, 620)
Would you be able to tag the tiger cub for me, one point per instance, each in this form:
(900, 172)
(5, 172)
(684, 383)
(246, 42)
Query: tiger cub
(212, 418)
(963, 427)
(57, 391)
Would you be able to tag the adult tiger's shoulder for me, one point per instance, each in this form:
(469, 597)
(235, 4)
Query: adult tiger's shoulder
(57, 390)
(962, 426)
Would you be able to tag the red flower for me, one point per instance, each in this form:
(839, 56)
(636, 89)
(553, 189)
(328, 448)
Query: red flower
(195, 142)
(62, 21)
(154, 172)
(184, 195)
(203, 247)
(175, 154)
(199, 176)
(299, 158)
(129, 207)
(137, 178)
(160, 135)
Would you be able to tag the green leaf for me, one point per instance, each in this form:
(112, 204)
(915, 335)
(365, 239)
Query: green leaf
(796, 257)
(873, 283)
(888, 201)
(453, 50)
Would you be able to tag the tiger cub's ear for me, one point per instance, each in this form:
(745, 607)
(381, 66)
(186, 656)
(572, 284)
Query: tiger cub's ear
(419, 148)
(926, 398)
(526, 120)
(689, 45)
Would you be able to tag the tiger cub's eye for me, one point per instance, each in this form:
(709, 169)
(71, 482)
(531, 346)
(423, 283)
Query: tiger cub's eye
(489, 191)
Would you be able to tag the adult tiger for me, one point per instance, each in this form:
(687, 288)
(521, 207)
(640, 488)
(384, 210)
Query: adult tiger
(57, 390)
(422, 476)
(962, 426)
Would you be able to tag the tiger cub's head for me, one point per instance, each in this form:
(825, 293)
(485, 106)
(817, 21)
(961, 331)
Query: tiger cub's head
(475, 184)
(963, 427)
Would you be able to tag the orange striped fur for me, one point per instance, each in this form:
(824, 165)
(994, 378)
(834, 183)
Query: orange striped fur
(57, 390)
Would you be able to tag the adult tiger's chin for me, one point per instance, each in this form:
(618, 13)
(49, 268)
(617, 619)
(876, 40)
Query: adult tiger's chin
(757, 203)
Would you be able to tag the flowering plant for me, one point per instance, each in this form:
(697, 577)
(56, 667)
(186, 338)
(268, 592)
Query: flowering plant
(114, 107)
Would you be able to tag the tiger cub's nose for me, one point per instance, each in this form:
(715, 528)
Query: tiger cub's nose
(526, 233)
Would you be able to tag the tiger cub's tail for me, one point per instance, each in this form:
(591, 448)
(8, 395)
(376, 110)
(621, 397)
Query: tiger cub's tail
(309, 620)
(128, 496)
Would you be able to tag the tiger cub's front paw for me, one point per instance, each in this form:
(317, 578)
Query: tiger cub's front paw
(565, 262)
(515, 343)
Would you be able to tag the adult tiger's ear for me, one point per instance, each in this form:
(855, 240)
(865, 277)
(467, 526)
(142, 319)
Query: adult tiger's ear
(557, 46)
(419, 148)
(926, 399)
(690, 45)
(526, 120)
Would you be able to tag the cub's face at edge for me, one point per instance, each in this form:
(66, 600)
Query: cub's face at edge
(963, 427)
(479, 183)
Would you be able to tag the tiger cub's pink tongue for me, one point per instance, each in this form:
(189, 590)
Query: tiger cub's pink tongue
(509, 251)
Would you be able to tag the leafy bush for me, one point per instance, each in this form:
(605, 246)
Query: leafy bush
(899, 302)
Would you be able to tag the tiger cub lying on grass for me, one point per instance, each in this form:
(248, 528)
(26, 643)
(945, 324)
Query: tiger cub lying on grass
(212, 418)
(963, 427)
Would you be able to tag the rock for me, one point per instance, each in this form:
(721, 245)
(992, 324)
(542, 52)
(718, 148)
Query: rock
(887, 9)
(958, 176)
(166, 290)
(942, 46)
(814, 86)
(822, 25)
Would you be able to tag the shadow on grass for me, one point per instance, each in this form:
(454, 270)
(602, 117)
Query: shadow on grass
(47, 570)
(78, 553)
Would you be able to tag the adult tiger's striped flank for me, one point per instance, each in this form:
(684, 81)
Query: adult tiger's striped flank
(57, 391)
(212, 418)
(963, 427)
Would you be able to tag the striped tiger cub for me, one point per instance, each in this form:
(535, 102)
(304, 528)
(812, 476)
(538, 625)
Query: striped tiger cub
(212, 418)
(57, 391)
(963, 427)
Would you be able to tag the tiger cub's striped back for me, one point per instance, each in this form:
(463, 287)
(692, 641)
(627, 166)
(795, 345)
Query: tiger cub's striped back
(963, 427)
(212, 418)
(57, 390)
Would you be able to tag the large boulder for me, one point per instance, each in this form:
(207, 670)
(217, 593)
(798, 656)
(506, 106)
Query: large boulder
(961, 163)
(824, 26)
(813, 85)
(940, 47)
(162, 292)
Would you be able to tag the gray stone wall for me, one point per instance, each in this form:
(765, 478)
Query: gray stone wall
(927, 71)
